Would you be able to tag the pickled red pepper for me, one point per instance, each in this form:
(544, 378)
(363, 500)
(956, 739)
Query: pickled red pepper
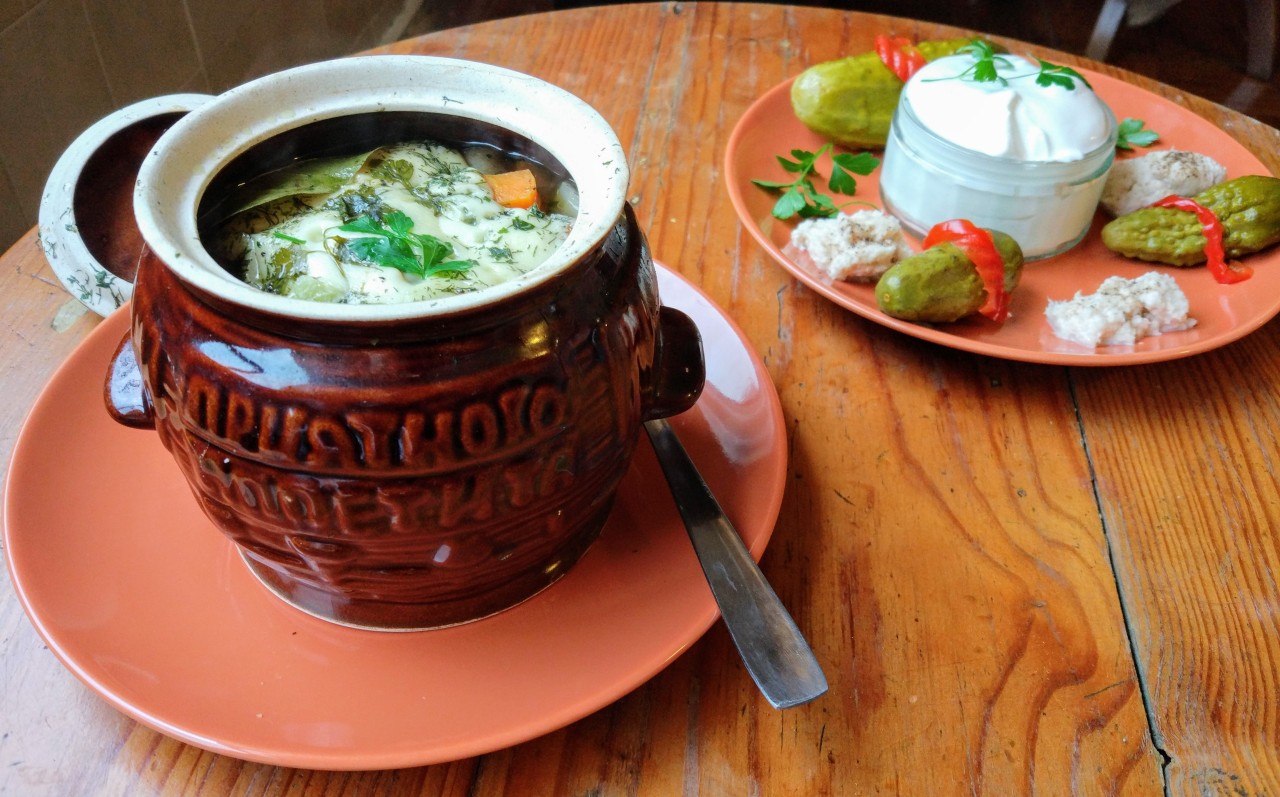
(901, 56)
(976, 244)
(1215, 254)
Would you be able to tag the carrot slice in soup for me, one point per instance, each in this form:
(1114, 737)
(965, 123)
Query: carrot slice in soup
(515, 189)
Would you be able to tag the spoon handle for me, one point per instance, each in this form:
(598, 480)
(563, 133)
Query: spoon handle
(772, 647)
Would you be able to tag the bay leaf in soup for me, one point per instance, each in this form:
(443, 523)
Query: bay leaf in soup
(317, 176)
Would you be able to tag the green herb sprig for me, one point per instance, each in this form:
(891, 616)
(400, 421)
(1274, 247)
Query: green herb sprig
(801, 197)
(1057, 75)
(984, 66)
(986, 63)
(1134, 133)
(394, 170)
(391, 242)
(290, 238)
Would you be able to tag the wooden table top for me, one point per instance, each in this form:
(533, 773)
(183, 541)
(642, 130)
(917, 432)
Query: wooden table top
(1018, 578)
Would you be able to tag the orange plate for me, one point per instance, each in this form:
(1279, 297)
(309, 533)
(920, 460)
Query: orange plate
(1224, 313)
(149, 605)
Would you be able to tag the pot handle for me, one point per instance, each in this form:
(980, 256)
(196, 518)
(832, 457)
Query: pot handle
(127, 400)
(679, 370)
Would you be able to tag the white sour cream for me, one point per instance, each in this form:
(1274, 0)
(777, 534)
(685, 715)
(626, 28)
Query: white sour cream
(1014, 156)
(1016, 118)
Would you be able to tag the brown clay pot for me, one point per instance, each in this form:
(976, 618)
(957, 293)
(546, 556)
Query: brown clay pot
(411, 467)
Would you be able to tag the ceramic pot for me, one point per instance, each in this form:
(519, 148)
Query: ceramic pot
(414, 465)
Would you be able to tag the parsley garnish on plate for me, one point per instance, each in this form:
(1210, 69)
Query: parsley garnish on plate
(1134, 133)
(801, 197)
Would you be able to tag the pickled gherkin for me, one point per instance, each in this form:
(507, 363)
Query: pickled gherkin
(941, 284)
(851, 100)
(1248, 207)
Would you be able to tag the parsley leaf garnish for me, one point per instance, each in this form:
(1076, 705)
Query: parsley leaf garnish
(801, 197)
(985, 61)
(391, 242)
(1055, 75)
(986, 64)
(394, 170)
(363, 201)
(502, 254)
(1133, 133)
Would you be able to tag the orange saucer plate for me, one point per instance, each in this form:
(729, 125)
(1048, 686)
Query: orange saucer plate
(1224, 313)
(139, 596)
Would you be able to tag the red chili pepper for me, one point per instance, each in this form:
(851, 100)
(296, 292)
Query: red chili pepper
(1214, 252)
(976, 244)
(901, 56)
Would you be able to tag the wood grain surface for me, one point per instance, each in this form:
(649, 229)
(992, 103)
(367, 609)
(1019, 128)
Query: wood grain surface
(1020, 579)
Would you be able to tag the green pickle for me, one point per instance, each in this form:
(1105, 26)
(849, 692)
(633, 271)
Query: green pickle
(851, 100)
(1248, 207)
(941, 285)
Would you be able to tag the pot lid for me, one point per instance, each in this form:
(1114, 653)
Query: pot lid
(87, 226)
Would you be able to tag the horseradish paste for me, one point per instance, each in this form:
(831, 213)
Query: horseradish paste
(399, 224)
(1002, 148)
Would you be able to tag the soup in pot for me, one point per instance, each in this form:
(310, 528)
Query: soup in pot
(400, 223)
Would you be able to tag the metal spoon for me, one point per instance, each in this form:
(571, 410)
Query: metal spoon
(776, 654)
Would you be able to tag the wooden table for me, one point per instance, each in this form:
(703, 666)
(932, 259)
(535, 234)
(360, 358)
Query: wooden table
(1019, 578)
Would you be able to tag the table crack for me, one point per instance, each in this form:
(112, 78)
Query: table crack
(1139, 671)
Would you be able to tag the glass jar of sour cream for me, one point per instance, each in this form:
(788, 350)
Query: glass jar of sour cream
(1009, 154)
